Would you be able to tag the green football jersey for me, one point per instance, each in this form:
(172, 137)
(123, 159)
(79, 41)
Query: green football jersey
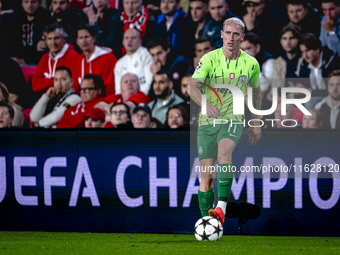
(214, 68)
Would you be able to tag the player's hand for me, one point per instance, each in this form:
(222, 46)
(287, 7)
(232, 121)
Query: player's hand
(254, 135)
(328, 24)
(41, 46)
(50, 92)
(213, 111)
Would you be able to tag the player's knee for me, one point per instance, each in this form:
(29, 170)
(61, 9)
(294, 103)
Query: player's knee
(206, 184)
(224, 156)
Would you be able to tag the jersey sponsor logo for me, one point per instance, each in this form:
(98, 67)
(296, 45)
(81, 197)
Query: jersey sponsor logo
(199, 65)
(231, 75)
(243, 78)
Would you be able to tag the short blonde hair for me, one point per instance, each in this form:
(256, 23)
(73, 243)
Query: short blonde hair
(235, 21)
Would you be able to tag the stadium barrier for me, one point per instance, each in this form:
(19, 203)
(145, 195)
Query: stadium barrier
(139, 181)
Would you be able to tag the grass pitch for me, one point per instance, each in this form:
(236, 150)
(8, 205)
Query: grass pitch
(106, 243)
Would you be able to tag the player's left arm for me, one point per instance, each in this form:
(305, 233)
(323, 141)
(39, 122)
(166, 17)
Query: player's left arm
(254, 132)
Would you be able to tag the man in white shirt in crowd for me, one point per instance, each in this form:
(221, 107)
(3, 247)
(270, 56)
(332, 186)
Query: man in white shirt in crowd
(137, 60)
(51, 106)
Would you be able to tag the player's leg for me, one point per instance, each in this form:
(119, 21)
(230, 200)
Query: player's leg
(206, 194)
(207, 153)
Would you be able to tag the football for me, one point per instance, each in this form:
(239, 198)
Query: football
(208, 229)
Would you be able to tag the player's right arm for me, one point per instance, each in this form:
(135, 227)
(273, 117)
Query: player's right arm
(198, 78)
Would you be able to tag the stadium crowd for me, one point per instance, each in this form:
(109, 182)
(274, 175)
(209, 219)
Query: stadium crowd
(127, 63)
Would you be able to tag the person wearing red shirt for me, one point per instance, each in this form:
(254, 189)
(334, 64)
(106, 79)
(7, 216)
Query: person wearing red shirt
(60, 54)
(92, 90)
(94, 59)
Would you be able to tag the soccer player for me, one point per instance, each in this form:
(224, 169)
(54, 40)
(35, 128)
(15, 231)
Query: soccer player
(226, 65)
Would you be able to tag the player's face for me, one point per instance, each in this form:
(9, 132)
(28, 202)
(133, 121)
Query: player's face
(161, 84)
(62, 81)
(202, 48)
(311, 56)
(309, 121)
(87, 90)
(198, 10)
(30, 6)
(184, 85)
(296, 12)
(129, 84)
(169, 6)
(131, 40)
(159, 55)
(255, 7)
(334, 87)
(85, 40)
(119, 115)
(5, 118)
(141, 119)
(132, 7)
(93, 123)
(232, 35)
(330, 10)
(288, 42)
(55, 42)
(250, 48)
(218, 9)
(59, 6)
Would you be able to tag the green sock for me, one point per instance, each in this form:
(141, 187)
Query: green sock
(206, 201)
(224, 180)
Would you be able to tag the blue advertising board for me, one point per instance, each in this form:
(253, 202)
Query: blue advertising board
(145, 181)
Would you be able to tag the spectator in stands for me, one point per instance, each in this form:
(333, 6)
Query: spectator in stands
(141, 117)
(312, 121)
(6, 115)
(285, 65)
(174, 27)
(107, 24)
(51, 106)
(137, 60)
(330, 25)
(303, 16)
(136, 15)
(166, 97)
(94, 59)
(120, 115)
(166, 60)
(32, 19)
(264, 20)
(330, 105)
(285, 121)
(60, 53)
(176, 117)
(202, 46)
(18, 119)
(200, 14)
(317, 63)
(252, 45)
(69, 18)
(219, 11)
(92, 90)
(12, 76)
(10, 36)
(95, 118)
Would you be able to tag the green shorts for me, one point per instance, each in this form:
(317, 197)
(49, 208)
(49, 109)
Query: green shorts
(209, 136)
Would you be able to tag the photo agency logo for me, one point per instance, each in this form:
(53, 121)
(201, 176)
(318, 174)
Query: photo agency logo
(239, 102)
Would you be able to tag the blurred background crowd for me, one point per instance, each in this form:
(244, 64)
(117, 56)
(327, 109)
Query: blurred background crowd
(127, 63)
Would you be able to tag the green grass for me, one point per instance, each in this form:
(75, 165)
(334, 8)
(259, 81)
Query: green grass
(100, 243)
